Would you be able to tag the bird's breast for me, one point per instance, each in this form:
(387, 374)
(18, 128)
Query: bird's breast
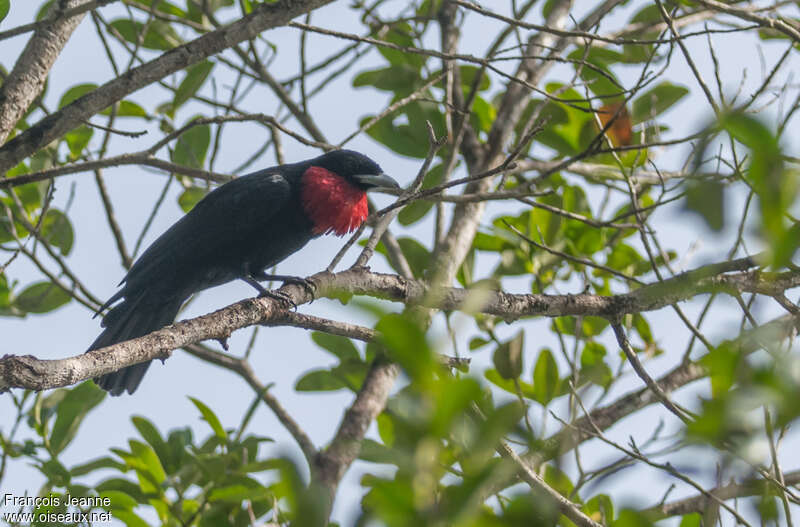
(331, 202)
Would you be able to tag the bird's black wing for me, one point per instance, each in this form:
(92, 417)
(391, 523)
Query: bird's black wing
(211, 233)
(183, 260)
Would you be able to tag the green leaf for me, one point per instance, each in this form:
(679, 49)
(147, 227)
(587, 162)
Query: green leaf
(41, 297)
(130, 109)
(776, 187)
(723, 363)
(239, 493)
(600, 508)
(508, 385)
(507, 357)
(5, 293)
(129, 518)
(375, 452)
(416, 210)
(126, 108)
(190, 197)
(121, 485)
(402, 79)
(642, 328)
(160, 35)
(417, 255)
(546, 382)
(119, 500)
(194, 79)
(57, 229)
(145, 461)
(341, 347)
(468, 72)
(386, 428)
(210, 418)
(693, 519)
(31, 197)
(595, 71)
(627, 260)
(75, 92)
(192, 147)
(150, 434)
(195, 13)
(406, 343)
(459, 393)
(400, 34)
(57, 474)
(649, 14)
(177, 441)
(401, 138)
(593, 365)
(484, 114)
(656, 101)
(499, 421)
(476, 343)
(164, 7)
(5, 6)
(352, 373)
(632, 518)
(78, 139)
(70, 413)
(707, 198)
(558, 480)
(96, 464)
(319, 381)
(565, 124)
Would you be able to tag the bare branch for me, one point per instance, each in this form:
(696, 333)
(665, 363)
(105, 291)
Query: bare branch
(25, 82)
(265, 16)
(30, 372)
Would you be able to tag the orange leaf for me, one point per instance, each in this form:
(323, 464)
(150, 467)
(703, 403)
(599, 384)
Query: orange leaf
(621, 131)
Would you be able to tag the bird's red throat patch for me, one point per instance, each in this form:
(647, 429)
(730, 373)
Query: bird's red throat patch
(333, 203)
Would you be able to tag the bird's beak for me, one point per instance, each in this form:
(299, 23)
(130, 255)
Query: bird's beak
(370, 181)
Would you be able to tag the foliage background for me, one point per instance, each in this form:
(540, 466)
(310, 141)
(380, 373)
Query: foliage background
(338, 110)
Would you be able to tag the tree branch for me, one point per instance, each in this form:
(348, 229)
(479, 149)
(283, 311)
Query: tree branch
(266, 16)
(29, 372)
(25, 82)
(333, 462)
(701, 502)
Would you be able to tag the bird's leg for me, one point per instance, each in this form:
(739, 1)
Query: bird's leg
(262, 292)
(305, 283)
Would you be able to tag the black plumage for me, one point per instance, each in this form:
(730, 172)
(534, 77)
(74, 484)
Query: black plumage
(235, 232)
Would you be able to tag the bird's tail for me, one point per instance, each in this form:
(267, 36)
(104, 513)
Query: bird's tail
(134, 317)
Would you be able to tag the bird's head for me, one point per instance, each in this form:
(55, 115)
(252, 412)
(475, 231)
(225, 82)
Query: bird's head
(359, 170)
(334, 187)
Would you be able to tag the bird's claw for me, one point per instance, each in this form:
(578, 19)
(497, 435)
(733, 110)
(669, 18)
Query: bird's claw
(254, 278)
(306, 283)
(280, 296)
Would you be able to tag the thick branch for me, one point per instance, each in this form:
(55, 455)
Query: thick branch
(266, 16)
(30, 372)
(26, 80)
(333, 462)
(466, 216)
(746, 14)
(701, 502)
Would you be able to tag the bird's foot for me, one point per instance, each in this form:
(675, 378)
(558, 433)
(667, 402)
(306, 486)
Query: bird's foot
(280, 296)
(308, 285)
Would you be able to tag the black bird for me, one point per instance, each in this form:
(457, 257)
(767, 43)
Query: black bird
(237, 231)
